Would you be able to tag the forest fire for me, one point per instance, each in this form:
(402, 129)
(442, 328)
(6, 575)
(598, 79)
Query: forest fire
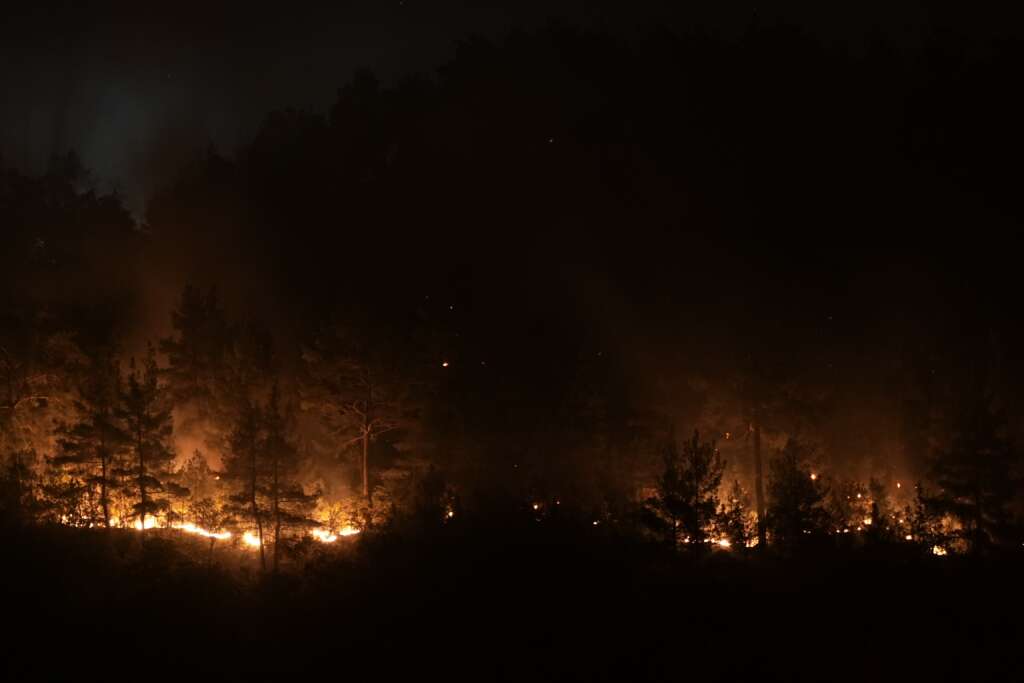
(587, 342)
(249, 539)
(191, 528)
(323, 535)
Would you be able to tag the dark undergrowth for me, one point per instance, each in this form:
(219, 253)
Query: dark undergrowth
(511, 602)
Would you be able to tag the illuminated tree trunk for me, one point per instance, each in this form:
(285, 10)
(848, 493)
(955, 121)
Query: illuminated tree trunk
(142, 479)
(18, 487)
(366, 471)
(277, 514)
(104, 500)
(255, 508)
(367, 430)
(762, 527)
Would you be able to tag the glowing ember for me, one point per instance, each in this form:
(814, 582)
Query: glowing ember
(323, 535)
(938, 550)
(867, 521)
(723, 543)
(814, 476)
(536, 506)
(451, 513)
(908, 537)
(444, 364)
(348, 531)
(898, 485)
(251, 539)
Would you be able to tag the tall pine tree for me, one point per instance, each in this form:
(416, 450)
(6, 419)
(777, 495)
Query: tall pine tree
(977, 476)
(148, 427)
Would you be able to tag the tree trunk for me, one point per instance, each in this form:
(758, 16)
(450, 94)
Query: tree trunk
(366, 470)
(762, 528)
(17, 485)
(142, 481)
(277, 516)
(103, 490)
(367, 430)
(255, 508)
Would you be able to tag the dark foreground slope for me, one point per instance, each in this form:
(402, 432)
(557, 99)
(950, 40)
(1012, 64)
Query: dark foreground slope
(522, 603)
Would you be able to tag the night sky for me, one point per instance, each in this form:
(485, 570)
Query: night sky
(137, 90)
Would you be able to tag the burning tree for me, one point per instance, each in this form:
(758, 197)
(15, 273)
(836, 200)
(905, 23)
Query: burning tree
(147, 425)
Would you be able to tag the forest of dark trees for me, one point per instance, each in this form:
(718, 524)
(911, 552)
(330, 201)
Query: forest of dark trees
(580, 358)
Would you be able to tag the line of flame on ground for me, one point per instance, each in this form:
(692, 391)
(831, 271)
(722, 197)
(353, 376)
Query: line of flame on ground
(249, 539)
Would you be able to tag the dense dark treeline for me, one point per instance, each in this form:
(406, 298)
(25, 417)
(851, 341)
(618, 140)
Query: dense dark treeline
(482, 304)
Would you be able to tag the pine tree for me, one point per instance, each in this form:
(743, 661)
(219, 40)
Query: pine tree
(977, 476)
(244, 464)
(148, 427)
(736, 523)
(198, 478)
(687, 490)
(197, 363)
(289, 504)
(93, 446)
(848, 505)
(794, 499)
(359, 392)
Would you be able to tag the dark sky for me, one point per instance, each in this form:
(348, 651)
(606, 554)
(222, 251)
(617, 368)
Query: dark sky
(137, 88)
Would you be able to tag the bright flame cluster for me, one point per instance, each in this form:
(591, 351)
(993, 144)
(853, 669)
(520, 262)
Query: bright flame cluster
(323, 535)
(249, 538)
(189, 527)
